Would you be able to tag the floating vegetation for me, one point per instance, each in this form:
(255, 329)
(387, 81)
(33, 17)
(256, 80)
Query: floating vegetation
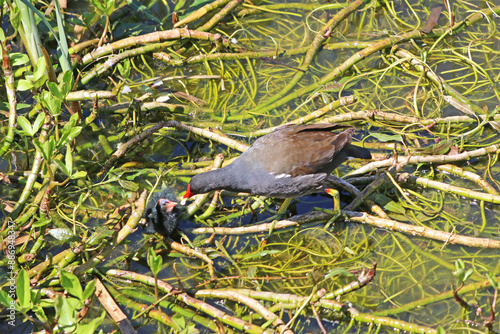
(106, 104)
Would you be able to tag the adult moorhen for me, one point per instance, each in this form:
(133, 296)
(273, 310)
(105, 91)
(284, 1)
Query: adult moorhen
(289, 162)
(162, 213)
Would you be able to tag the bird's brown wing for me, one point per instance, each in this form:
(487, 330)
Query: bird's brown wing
(300, 150)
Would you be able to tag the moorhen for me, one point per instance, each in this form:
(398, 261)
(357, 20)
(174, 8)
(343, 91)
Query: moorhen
(289, 162)
(162, 213)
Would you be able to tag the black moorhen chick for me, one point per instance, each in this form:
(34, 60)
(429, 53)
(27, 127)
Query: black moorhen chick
(162, 213)
(289, 162)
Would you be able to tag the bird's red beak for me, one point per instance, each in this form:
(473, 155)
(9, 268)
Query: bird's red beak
(188, 193)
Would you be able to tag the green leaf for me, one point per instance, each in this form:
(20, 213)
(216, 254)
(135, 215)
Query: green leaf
(68, 136)
(6, 300)
(154, 261)
(179, 320)
(52, 103)
(2, 35)
(54, 89)
(395, 207)
(89, 290)
(71, 284)
(467, 274)
(42, 222)
(78, 175)
(69, 160)
(100, 234)
(49, 149)
(65, 313)
(63, 168)
(128, 185)
(38, 147)
(70, 124)
(40, 68)
(106, 7)
(23, 290)
(62, 234)
(18, 59)
(23, 85)
(349, 251)
(385, 137)
(15, 17)
(339, 272)
(38, 122)
(25, 125)
(91, 326)
(124, 68)
(66, 84)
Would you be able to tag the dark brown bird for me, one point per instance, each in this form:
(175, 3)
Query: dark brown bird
(291, 161)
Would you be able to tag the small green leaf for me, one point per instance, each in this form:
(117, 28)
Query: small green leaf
(154, 261)
(63, 168)
(54, 89)
(467, 274)
(179, 320)
(70, 124)
(38, 122)
(62, 234)
(23, 290)
(69, 160)
(25, 125)
(99, 234)
(68, 136)
(5, 299)
(40, 68)
(89, 290)
(23, 85)
(91, 326)
(42, 222)
(78, 175)
(339, 272)
(18, 59)
(49, 149)
(15, 17)
(124, 68)
(65, 313)
(395, 207)
(132, 186)
(52, 103)
(71, 284)
(385, 137)
(349, 251)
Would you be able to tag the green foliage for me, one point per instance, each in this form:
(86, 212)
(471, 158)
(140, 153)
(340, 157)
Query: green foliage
(35, 79)
(460, 271)
(25, 125)
(124, 68)
(23, 291)
(106, 7)
(65, 85)
(71, 283)
(154, 261)
(63, 234)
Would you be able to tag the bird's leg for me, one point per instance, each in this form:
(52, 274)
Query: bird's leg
(336, 205)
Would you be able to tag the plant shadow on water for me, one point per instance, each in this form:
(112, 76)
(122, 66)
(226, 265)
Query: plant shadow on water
(156, 93)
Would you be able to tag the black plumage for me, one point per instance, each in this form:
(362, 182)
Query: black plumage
(162, 213)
